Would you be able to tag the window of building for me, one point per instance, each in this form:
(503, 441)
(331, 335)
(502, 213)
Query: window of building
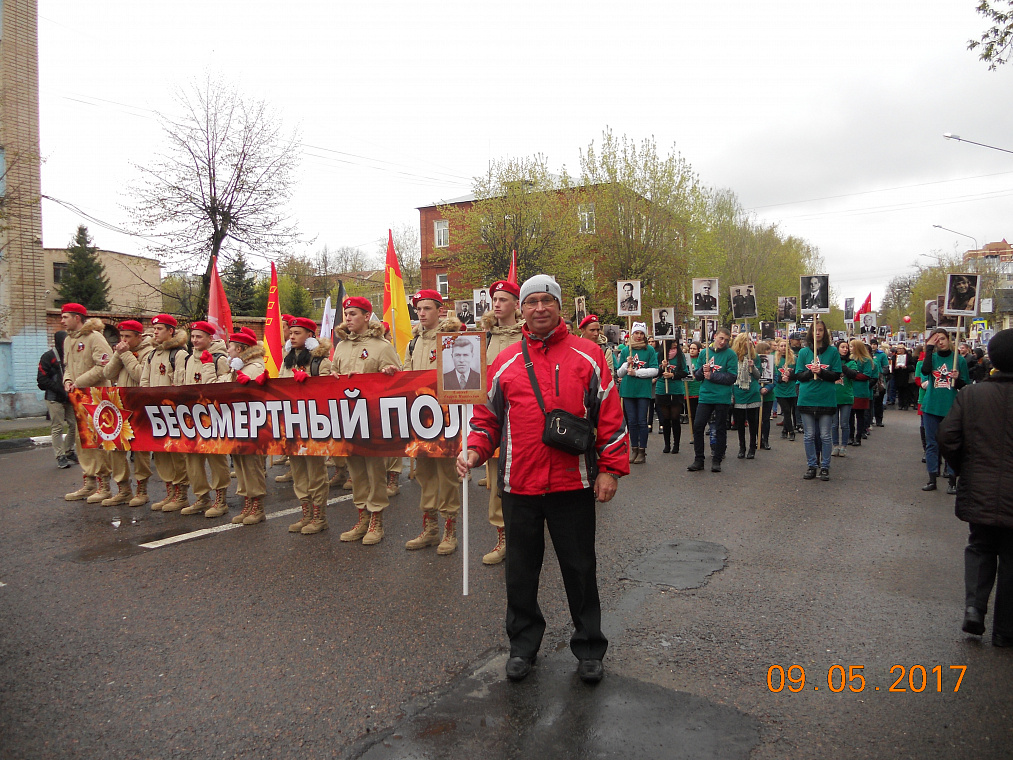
(443, 284)
(441, 229)
(318, 303)
(59, 267)
(585, 217)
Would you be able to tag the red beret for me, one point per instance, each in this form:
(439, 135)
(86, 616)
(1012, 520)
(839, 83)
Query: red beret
(130, 324)
(358, 302)
(508, 287)
(588, 320)
(248, 331)
(243, 337)
(165, 319)
(305, 324)
(74, 308)
(204, 327)
(287, 318)
(430, 295)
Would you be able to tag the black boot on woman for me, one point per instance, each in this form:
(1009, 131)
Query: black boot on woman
(666, 430)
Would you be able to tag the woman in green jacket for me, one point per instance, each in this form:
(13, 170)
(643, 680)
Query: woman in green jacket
(747, 401)
(786, 388)
(845, 399)
(817, 368)
(669, 394)
(637, 365)
(941, 378)
(861, 383)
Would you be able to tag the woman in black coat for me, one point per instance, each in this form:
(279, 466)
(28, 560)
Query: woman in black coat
(976, 438)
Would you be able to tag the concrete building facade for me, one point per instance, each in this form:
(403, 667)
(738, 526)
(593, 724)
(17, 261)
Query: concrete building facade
(134, 281)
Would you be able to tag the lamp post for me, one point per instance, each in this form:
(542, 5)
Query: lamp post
(958, 138)
(962, 234)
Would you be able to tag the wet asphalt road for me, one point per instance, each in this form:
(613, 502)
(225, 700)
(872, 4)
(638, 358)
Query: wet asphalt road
(257, 643)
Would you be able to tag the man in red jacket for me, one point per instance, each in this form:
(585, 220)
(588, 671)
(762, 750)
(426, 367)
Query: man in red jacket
(546, 485)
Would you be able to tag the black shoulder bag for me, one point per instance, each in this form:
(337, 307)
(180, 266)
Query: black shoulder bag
(563, 430)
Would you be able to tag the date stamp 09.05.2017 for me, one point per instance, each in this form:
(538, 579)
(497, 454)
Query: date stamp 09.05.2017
(902, 678)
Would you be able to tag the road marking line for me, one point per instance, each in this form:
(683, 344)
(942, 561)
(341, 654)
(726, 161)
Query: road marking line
(228, 526)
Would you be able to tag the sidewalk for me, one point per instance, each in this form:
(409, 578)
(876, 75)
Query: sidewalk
(23, 423)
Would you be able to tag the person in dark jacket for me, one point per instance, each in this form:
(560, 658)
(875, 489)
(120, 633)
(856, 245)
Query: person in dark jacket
(61, 411)
(976, 439)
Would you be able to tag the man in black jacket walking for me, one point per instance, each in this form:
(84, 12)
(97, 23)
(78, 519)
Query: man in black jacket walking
(61, 411)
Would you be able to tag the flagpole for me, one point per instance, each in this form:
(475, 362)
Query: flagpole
(465, 425)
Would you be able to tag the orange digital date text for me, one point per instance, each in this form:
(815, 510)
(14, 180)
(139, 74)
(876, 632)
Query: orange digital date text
(914, 678)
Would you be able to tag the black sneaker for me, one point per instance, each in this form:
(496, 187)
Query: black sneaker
(824, 473)
(62, 463)
(696, 466)
(72, 456)
(715, 465)
(810, 473)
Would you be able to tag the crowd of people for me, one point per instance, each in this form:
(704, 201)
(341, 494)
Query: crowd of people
(832, 392)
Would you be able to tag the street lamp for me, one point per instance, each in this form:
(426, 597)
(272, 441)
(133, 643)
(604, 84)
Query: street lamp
(958, 138)
(962, 234)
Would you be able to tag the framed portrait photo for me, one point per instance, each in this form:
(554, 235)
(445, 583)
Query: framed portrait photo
(743, 300)
(931, 314)
(849, 309)
(661, 318)
(814, 294)
(767, 372)
(461, 373)
(705, 297)
(482, 302)
(465, 311)
(961, 295)
(787, 309)
(579, 309)
(942, 318)
(628, 298)
(868, 323)
(768, 330)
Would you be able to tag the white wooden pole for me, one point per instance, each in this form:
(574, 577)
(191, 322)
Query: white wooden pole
(465, 429)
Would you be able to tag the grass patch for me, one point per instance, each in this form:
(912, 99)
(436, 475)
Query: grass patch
(30, 433)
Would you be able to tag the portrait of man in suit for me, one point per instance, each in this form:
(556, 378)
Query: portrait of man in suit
(662, 326)
(464, 373)
(815, 294)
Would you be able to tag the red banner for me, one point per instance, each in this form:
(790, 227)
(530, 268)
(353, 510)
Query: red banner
(365, 415)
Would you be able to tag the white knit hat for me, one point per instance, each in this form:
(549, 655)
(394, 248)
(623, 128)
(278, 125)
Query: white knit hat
(639, 326)
(541, 283)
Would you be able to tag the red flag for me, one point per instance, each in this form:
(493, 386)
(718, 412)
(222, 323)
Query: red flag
(219, 313)
(866, 307)
(395, 303)
(272, 328)
(512, 277)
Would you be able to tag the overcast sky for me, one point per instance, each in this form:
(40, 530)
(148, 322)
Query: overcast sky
(826, 118)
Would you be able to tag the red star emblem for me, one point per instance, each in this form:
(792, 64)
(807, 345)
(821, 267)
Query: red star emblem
(637, 363)
(942, 378)
(432, 355)
(715, 367)
(364, 354)
(816, 366)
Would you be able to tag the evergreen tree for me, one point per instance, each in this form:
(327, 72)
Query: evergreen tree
(240, 285)
(293, 298)
(84, 280)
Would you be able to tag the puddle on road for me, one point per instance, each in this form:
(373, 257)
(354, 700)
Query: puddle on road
(120, 548)
(679, 564)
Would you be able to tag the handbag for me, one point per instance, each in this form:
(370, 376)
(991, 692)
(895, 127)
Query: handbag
(563, 430)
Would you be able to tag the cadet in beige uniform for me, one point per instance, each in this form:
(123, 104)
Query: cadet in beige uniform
(362, 350)
(162, 369)
(307, 358)
(208, 362)
(124, 369)
(85, 354)
(246, 360)
(436, 476)
(503, 324)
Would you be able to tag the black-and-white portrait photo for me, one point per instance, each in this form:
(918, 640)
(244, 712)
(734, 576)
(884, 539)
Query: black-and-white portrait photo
(482, 302)
(814, 290)
(787, 309)
(768, 330)
(868, 323)
(628, 298)
(884, 330)
(767, 372)
(664, 327)
(931, 314)
(461, 365)
(465, 312)
(961, 295)
(849, 309)
(942, 318)
(612, 333)
(705, 297)
(579, 309)
(743, 301)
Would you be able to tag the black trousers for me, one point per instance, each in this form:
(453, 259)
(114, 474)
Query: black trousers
(752, 418)
(701, 417)
(988, 556)
(768, 406)
(570, 518)
(789, 418)
(877, 408)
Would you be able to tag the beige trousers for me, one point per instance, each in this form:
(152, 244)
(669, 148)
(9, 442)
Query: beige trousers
(197, 475)
(250, 474)
(309, 479)
(369, 482)
(394, 464)
(61, 413)
(120, 464)
(441, 488)
(94, 462)
(171, 467)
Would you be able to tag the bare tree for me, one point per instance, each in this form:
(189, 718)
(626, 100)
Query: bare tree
(408, 248)
(221, 184)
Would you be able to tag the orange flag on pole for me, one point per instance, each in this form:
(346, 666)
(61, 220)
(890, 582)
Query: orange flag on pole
(395, 304)
(219, 313)
(272, 328)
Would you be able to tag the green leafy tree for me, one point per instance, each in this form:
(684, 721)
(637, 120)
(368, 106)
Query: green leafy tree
(84, 280)
(240, 285)
(997, 42)
(293, 298)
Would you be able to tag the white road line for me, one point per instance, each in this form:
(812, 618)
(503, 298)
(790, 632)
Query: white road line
(2, 585)
(228, 526)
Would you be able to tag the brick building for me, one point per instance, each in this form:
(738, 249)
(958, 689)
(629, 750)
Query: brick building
(435, 238)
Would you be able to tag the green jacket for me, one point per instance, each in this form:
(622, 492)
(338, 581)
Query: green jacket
(637, 382)
(717, 390)
(674, 387)
(942, 390)
(868, 368)
(783, 389)
(818, 391)
(845, 385)
(752, 396)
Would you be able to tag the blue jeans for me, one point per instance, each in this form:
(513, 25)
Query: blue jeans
(636, 417)
(813, 426)
(931, 424)
(842, 423)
